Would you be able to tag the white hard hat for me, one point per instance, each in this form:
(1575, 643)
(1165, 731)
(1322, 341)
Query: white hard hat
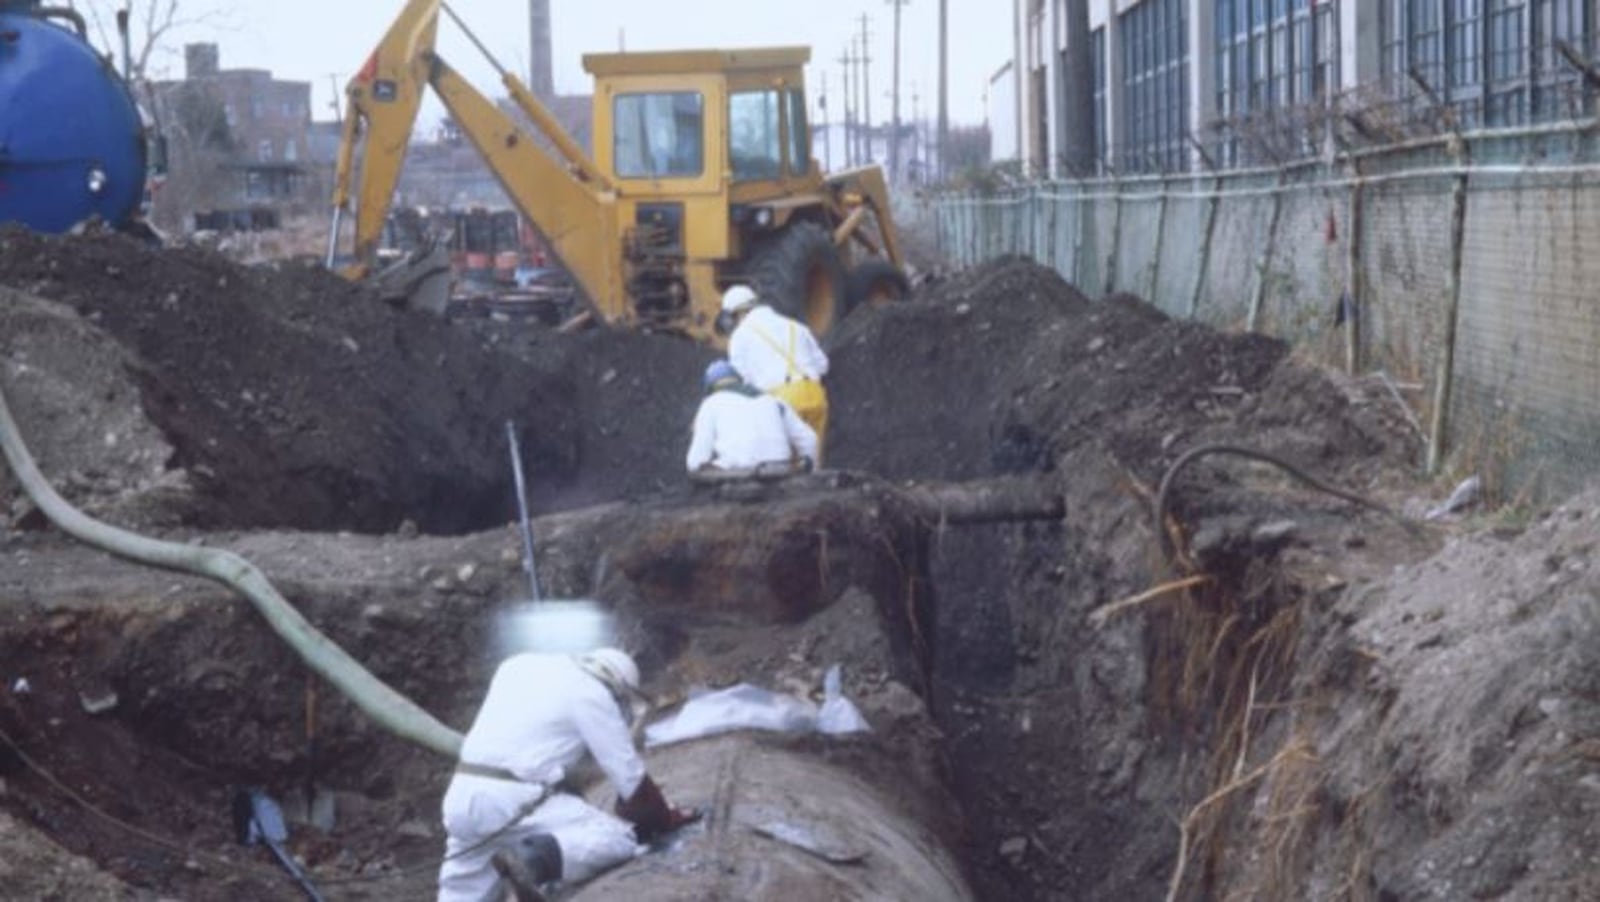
(612, 666)
(737, 298)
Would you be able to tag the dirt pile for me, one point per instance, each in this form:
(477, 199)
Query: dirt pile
(1068, 742)
(282, 395)
(1007, 368)
(1077, 736)
(1452, 711)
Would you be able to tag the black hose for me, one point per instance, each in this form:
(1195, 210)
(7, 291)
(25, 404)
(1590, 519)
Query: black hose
(1194, 454)
(63, 12)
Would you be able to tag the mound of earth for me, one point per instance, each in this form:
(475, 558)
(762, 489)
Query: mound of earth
(283, 396)
(1450, 731)
(1056, 730)
(1320, 684)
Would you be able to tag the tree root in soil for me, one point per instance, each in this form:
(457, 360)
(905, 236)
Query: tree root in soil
(1194, 454)
(1099, 616)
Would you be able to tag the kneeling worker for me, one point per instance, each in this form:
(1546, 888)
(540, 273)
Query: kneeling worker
(739, 428)
(777, 355)
(503, 812)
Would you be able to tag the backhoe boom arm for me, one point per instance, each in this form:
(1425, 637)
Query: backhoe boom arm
(566, 200)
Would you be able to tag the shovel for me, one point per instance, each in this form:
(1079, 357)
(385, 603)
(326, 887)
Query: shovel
(539, 624)
(258, 819)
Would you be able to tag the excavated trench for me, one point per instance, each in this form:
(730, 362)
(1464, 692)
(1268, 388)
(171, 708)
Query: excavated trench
(356, 454)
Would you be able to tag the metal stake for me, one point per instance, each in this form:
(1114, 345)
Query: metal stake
(522, 510)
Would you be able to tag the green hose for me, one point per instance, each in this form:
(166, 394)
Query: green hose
(382, 703)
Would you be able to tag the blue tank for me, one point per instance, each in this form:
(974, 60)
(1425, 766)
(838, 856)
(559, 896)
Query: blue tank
(71, 140)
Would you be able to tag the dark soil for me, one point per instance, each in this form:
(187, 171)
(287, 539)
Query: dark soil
(1008, 369)
(294, 399)
(289, 399)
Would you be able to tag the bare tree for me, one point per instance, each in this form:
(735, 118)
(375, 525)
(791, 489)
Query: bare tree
(151, 26)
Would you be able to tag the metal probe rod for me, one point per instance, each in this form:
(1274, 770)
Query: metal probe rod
(522, 510)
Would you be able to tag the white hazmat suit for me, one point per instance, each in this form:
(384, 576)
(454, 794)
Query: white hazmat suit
(769, 349)
(543, 714)
(736, 429)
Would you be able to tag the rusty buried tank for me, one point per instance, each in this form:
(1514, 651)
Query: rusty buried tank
(782, 824)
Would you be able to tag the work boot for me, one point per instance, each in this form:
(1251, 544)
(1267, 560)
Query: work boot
(535, 860)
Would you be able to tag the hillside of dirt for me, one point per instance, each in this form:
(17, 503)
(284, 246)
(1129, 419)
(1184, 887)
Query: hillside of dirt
(1319, 700)
(286, 397)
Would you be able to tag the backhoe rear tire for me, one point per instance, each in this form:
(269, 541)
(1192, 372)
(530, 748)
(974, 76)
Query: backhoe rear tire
(877, 282)
(799, 273)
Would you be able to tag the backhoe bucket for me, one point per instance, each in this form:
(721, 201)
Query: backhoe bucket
(421, 280)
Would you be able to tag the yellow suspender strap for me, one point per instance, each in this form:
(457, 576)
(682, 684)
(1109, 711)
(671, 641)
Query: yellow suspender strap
(788, 356)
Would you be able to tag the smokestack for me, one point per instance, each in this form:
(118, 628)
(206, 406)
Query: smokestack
(541, 74)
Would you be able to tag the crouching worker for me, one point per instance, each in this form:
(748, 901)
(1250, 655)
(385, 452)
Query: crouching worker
(739, 428)
(503, 813)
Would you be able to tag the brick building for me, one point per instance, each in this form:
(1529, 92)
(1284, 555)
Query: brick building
(237, 138)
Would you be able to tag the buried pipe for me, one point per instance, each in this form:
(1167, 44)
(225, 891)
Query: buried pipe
(378, 700)
(988, 501)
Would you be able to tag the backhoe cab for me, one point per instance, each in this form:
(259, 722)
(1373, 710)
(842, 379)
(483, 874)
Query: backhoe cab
(702, 176)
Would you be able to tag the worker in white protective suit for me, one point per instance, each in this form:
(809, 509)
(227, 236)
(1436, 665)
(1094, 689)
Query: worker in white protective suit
(777, 355)
(739, 428)
(508, 826)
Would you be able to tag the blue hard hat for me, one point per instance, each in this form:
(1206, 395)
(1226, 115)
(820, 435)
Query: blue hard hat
(718, 372)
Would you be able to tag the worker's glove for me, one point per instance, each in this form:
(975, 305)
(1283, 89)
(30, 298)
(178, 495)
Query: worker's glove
(651, 816)
(807, 465)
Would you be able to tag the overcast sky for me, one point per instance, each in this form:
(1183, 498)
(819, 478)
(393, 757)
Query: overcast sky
(312, 40)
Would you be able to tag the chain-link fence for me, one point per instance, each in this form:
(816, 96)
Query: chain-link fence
(1465, 269)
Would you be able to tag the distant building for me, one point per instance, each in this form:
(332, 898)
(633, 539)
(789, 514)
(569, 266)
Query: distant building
(236, 138)
(448, 171)
(1256, 82)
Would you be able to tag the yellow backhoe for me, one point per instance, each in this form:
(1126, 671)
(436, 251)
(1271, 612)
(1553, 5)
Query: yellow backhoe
(702, 176)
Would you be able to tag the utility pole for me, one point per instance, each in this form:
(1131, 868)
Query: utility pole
(944, 86)
(855, 98)
(846, 59)
(894, 129)
(866, 89)
(916, 131)
(338, 108)
(1079, 128)
(822, 126)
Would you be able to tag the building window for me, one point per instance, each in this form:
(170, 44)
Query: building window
(1272, 55)
(1097, 60)
(1155, 86)
(1559, 89)
(264, 150)
(1507, 100)
(1492, 62)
